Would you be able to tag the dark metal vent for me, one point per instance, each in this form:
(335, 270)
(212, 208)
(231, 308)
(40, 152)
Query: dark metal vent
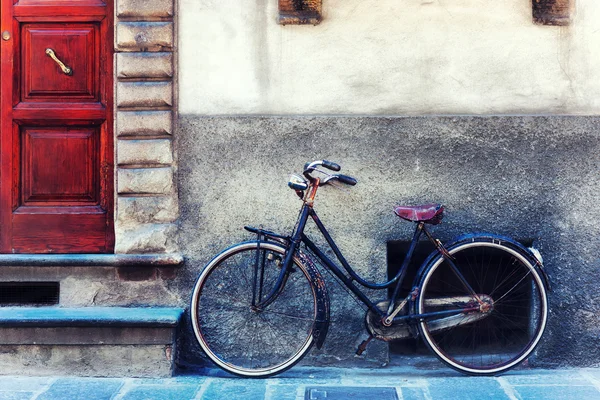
(344, 393)
(29, 293)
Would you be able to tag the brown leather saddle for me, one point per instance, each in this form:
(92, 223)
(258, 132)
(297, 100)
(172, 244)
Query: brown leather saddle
(427, 213)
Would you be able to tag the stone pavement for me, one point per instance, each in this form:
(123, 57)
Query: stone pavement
(315, 384)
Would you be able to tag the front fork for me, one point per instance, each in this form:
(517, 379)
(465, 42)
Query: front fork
(286, 268)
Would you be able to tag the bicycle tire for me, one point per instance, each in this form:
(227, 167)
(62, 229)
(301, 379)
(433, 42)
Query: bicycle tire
(483, 342)
(242, 341)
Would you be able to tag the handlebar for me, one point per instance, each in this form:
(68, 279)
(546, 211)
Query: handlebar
(312, 166)
(331, 165)
(348, 180)
(309, 167)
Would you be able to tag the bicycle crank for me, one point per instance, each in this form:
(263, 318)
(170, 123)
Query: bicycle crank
(386, 333)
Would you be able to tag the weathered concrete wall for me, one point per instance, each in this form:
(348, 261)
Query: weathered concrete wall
(388, 57)
(526, 177)
(104, 286)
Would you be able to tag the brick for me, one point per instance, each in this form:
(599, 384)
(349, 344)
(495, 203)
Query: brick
(144, 8)
(300, 12)
(144, 123)
(145, 181)
(144, 36)
(155, 151)
(145, 65)
(144, 94)
(143, 210)
(552, 12)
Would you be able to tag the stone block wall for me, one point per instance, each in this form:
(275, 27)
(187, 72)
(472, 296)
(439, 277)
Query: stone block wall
(146, 203)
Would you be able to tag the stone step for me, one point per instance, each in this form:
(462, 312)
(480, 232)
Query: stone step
(90, 341)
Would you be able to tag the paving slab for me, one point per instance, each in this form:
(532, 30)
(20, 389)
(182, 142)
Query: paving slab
(415, 393)
(161, 392)
(234, 390)
(16, 395)
(80, 388)
(556, 392)
(466, 388)
(547, 377)
(27, 384)
(284, 392)
(347, 383)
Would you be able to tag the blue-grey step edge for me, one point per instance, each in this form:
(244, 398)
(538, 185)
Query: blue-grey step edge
(90, 316)
(91, 260)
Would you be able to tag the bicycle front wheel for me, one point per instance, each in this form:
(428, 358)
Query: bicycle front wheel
(244, 339)
(502, 319)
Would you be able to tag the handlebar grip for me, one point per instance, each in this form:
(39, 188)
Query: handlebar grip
(348, 180)
(331, 165)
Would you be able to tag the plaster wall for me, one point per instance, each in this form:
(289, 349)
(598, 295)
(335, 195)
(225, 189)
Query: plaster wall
(532, 178)
(388, 57)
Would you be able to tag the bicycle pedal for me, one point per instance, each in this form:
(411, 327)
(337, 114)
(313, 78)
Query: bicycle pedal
(363, 346)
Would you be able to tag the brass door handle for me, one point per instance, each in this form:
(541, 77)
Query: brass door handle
(66, 70)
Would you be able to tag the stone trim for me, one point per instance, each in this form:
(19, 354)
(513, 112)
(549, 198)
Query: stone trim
(146, 196)
(91, 260)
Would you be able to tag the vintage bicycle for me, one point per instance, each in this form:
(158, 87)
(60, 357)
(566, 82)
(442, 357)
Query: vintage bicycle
(479, 302)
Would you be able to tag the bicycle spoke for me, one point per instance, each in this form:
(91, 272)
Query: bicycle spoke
(245, 340)
(507, 332)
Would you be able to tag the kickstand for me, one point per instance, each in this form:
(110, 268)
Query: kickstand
(363, 346)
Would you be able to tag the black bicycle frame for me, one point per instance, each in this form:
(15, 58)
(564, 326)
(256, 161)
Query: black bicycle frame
(299, 236)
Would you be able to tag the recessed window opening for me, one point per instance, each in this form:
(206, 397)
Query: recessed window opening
(29, 293)
(396, 250)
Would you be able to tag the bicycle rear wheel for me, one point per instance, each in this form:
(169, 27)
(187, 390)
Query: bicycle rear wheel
(246, 340)
(501, 323)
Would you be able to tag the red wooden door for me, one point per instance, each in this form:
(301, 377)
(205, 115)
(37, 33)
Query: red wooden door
(56, 161)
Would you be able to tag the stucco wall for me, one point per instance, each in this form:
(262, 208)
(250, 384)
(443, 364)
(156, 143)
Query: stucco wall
(532, 178)
(388, 57)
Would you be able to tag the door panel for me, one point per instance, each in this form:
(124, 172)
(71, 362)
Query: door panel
(58, 233)
(59, 165)
(56, 160)
(73, 45)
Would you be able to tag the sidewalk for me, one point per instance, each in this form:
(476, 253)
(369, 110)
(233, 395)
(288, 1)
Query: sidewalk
(316, 384)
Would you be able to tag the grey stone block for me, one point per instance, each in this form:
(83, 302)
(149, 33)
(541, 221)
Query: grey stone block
(87, 335)
(145, 210)
(87, 360)
(145, 181)
(144, 123)
(144, 36)
(144, 8)
(147, 238)
(145, 65)
(144, 94)
(157, 151)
